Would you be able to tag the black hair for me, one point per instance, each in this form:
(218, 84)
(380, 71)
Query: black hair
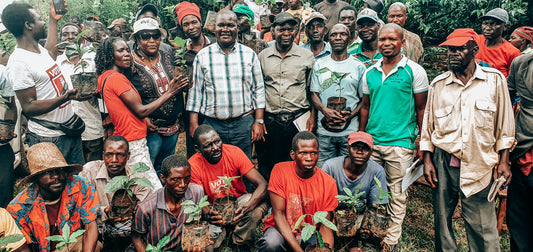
(395, 27)
(105, 56)
(117, 138)
(349, 7)
(68, 24)
(173, 161)
(201, 130)
(15, 16)
(303, 135)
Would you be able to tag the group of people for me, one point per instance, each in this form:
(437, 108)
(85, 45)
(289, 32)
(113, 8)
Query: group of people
(331, 98)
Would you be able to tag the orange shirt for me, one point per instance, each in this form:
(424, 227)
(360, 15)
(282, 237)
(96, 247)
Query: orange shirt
(302, 196)
(126, 123)
(233, 163)
(499, 57)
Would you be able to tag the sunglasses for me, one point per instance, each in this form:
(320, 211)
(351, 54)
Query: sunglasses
(147, 36)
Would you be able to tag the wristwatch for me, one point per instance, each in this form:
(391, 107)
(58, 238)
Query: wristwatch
(260, 121)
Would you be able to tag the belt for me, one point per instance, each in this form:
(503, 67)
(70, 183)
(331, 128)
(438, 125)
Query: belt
(233, 119)
(285, 117)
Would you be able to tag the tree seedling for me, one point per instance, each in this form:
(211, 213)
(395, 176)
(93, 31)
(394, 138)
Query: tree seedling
(125, 182)
(179, 55)
(66, 238)
(309, 229)
(159, 247)
(382, 194)
(4, 241)
(351, 199)
(335, 78)
(227, 183)
(194, 210)
(78, 49)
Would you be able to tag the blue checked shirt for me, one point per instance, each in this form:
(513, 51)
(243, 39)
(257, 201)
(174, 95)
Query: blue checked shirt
(226, 86)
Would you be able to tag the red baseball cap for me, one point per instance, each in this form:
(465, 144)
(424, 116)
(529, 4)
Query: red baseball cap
(459, 37)
(360, 136)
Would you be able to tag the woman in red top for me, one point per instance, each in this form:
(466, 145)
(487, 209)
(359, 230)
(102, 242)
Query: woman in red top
(113, 64)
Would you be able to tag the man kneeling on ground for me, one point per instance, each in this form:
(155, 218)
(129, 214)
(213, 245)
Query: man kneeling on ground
(214, 160)
(296, 188)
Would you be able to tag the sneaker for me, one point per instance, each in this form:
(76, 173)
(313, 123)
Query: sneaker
(385, 247)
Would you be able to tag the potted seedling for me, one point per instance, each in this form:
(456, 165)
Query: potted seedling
(85, 82)
(195, 233)
(160, 245)
(346, 213)
(7, 127)
(124, 201)
(226, 206)
(66, 238)
(4, 241)
(309, 229)
(182, 56)
(337, 103)
(376, 221)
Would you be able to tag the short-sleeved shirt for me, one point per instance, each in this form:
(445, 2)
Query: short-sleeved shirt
(392, 115)
(352, 48)
(233, 163)
(413, 48)
(367, 61)
(335, 168)
(330, 11)
(286, 79)
(27, 69)
(352, 88)
(126, 123)
(154, 221)
(5, 87)
(499, 57)
(326, 51)
(8, 227)
(302, 196)
(78, 207)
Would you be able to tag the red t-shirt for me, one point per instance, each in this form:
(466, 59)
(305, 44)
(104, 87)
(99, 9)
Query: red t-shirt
(302, 196)
(126, 123)
(233, 163)
(499, 57)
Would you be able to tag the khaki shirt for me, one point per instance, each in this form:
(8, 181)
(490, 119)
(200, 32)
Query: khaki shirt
(413, 48)
(96, 173)
(286, 79)
(472, 121)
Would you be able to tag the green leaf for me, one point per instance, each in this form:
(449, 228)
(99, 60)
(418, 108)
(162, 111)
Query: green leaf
(321, 217)
(323, 70)
(319, 240)
(81, 34)
(4, 241)
(347, 191)
(163, 242)
(55, 238)
(150, 248)
(298, 222)
(61, 245)
(77, 233)
(307, 232)
(335, 75)
(65, 232)
(139, 167)
(118, 182)
(180, 42)
(188, 203)
(327, 83)
(130, 193)
(140, 181)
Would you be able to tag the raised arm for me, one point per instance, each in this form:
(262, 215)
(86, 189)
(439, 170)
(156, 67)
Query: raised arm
(51, 39)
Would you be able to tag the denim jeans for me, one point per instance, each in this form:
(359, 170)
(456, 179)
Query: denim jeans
(273, 241)
(69, 146)
(238, 132)
(160, 147)
(330, 147)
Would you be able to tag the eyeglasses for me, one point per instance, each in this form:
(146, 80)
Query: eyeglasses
(147, 36)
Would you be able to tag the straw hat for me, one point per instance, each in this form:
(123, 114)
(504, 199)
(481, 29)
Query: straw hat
(43, 157)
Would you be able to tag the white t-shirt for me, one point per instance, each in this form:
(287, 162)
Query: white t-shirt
(87, 110)
(28, 69)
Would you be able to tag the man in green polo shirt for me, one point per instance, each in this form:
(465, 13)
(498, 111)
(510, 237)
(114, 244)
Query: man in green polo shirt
(367, 27)
(394, 99)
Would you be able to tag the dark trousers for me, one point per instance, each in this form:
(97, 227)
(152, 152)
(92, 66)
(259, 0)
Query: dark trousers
(69, 146)
(236, 132)
(277, 145)
(520, 210)
(479, 214)
(93, 149)
(7, 174)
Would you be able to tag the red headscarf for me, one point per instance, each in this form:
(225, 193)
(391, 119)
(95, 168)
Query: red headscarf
(525, 32)
(185, 8)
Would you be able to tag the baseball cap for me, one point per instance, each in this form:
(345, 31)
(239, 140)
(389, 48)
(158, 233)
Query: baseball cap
(285, 17)
(460, 37)
(315, 15)
(145, 8)
(147, 24)
(244, 10)
(367, 13)
(498, 14)
(119, 21)
(360, 136)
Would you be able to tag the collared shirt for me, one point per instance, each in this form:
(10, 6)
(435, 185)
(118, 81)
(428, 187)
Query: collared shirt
(286, 79)
(226, 85)
(367, 61)
(326, 51)
(352, 48)
(96, 173)
(527, 51)
(392, 115)
(8, 227)
(154, 220)
(87, 110)
(413, 48)
(471, 121)
(78, 207)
